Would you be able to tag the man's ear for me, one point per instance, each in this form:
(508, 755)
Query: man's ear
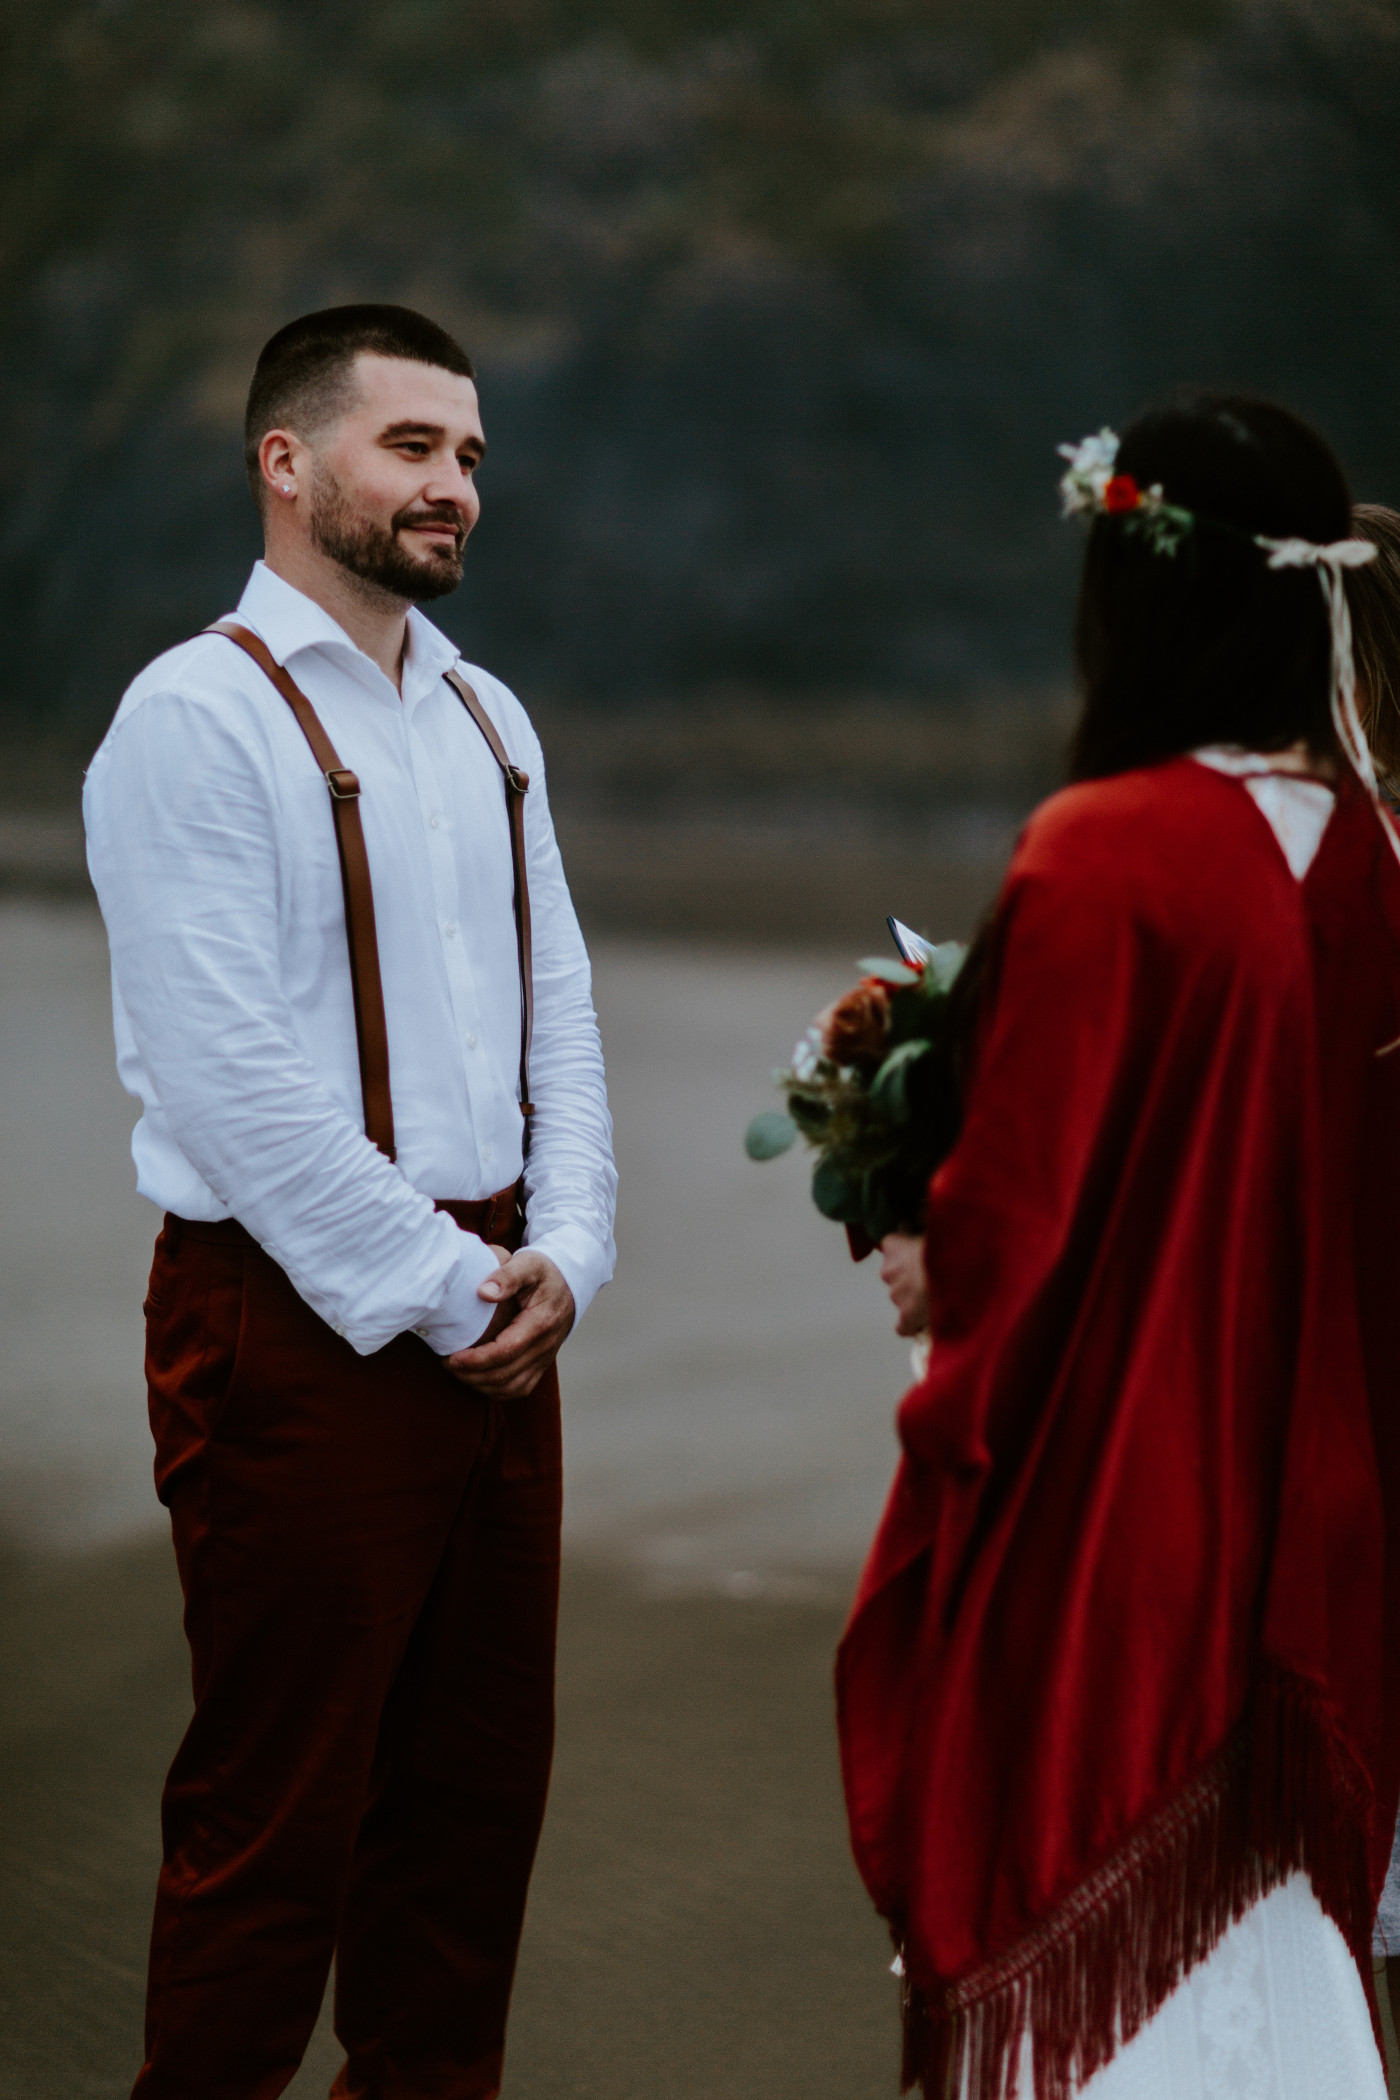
(281, 460)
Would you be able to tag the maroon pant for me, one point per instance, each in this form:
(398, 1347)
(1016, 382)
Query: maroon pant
(370, 1560)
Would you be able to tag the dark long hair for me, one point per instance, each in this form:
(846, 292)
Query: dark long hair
(1209, 645)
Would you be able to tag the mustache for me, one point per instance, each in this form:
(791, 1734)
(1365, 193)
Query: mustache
(434, 514)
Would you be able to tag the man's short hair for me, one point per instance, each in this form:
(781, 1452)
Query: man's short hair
(303, 379)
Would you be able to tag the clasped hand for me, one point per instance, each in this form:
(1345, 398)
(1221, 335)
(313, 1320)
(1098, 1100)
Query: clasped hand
(533, 1315)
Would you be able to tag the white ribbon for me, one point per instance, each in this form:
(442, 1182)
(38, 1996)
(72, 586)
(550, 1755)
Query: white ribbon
(1329, 562)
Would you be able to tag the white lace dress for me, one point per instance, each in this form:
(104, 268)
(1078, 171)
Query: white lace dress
(1277, 2011)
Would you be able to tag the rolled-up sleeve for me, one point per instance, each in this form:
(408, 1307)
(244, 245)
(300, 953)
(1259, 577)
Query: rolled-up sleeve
(570, 1178)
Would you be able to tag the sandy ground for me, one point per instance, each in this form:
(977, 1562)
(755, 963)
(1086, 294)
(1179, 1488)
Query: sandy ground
(696, 1928)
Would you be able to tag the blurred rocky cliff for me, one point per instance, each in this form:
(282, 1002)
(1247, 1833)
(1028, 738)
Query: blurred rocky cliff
(780, 309)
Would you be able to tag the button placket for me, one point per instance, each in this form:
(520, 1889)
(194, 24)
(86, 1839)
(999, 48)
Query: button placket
(442, 861)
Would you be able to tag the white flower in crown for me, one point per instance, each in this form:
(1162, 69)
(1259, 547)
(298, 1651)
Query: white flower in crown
(1090, 470)
(1092, 487)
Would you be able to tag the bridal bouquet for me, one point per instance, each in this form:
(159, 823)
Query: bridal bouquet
(871, 1089)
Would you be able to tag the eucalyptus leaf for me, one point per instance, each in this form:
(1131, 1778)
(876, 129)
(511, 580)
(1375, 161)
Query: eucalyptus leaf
(944, 964)
(834, 1193)
(889, 1087)
(769, 1134)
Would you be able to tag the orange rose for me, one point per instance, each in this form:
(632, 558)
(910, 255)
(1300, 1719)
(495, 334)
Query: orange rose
(856, 1029)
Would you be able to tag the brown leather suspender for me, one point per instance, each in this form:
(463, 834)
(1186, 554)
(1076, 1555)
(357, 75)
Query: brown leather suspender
(516, 786)
(371, 1031)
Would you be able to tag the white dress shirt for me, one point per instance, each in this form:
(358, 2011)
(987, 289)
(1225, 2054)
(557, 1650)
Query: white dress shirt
(213, 853)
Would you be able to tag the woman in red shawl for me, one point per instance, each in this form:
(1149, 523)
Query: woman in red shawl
(1120, 1723)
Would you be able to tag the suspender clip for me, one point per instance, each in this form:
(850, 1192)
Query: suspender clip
(518, 780)
(343, 784)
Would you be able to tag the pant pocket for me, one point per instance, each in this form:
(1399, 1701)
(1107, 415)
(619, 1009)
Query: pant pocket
(194, 1315)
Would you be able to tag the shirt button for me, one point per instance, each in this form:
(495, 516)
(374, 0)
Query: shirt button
(486, 1152)
(435, 820)
(450, 928)
(471, 1042)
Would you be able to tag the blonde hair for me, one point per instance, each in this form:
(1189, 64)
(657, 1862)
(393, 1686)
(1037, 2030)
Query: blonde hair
(1373, 593)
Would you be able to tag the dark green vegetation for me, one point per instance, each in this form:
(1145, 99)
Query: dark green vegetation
(696, 1926)
(780, 309)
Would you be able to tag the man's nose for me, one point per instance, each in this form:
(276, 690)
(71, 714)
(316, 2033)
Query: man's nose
(451, 485)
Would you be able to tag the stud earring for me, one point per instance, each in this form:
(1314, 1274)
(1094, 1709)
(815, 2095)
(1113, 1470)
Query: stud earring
(286, 488)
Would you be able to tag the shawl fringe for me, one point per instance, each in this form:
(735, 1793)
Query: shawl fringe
(1283, 1795)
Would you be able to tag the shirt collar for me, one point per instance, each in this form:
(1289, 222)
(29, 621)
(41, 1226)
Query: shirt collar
(430, 653)
(289, 621)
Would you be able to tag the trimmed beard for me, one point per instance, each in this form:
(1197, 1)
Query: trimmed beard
(369, 550)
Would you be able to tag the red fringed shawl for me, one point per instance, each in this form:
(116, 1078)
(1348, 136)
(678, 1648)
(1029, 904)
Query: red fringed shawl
(1127, 1649)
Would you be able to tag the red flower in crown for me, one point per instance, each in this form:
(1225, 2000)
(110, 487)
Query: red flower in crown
(1122, 493)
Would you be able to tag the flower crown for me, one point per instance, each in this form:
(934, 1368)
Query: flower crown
(1092, 487)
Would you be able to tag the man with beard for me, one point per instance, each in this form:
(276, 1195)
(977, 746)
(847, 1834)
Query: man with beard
(352, 998)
